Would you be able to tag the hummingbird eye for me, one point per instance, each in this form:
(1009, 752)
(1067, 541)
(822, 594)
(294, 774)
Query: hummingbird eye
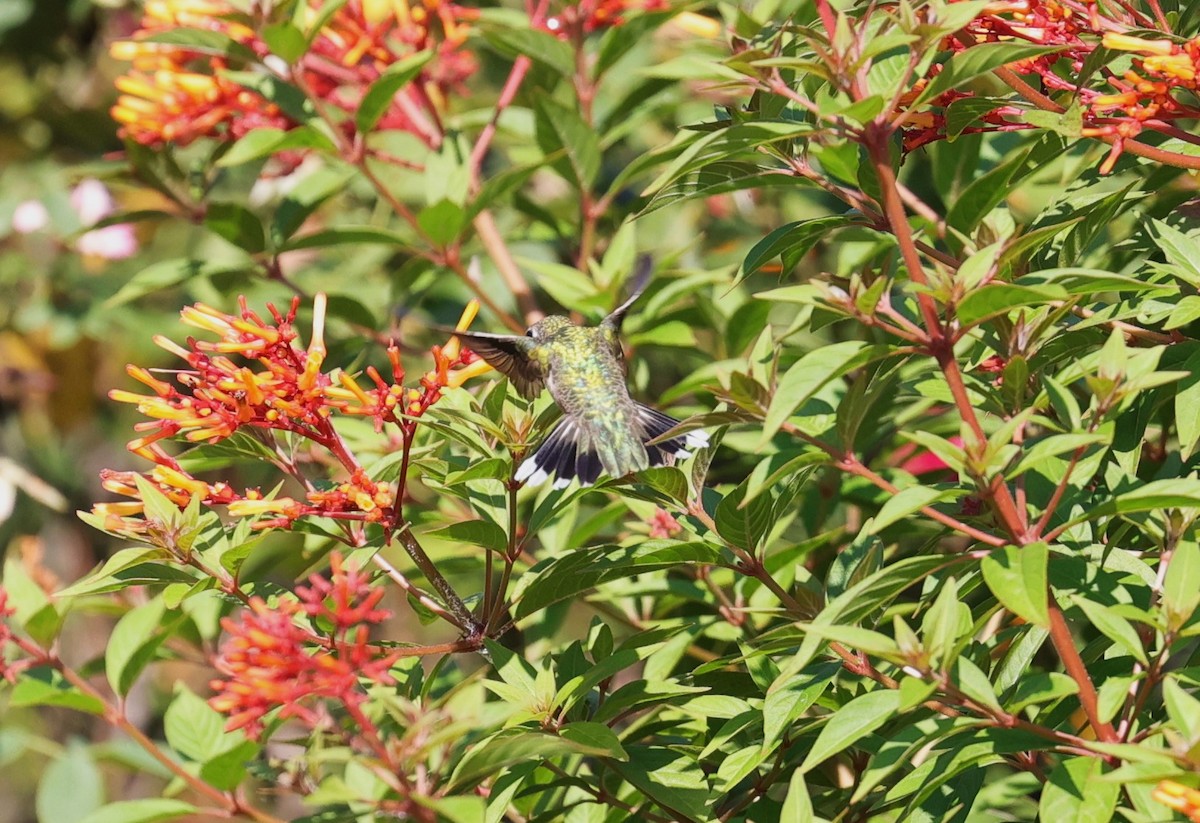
(529, 333)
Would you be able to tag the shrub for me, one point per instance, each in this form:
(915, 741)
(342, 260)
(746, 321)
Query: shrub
(928, 279)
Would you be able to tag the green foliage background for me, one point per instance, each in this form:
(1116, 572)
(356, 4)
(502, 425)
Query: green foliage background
(830, 635)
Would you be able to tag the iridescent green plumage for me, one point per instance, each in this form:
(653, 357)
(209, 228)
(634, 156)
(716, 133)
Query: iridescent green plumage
(584, 369)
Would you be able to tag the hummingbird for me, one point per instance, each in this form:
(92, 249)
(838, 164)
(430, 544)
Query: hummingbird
(602, 427)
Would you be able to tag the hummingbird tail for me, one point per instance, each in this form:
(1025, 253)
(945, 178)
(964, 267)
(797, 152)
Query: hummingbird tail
(575, 451)
(653, 423)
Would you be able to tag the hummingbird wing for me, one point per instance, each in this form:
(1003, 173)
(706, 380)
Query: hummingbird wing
(637, 284)
(508, 354)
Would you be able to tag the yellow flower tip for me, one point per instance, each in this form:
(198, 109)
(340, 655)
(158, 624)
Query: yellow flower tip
(254, 392)
(122, 396)
(470, 311)
(1178, 797)
(1176, 65)
(126, 509)
(459, 376)
(144, 377)
(1127, 98)
(317, 346)
(250, 508)
(1123, 42)
(351, 384)
(126, 50)
(202, 317)
(170, 345)
(376, 11)
(178, 480)
(696, 25)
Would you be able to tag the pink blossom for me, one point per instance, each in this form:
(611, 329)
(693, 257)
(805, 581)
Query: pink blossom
(93, 202)
(29, 217)
(111, 242)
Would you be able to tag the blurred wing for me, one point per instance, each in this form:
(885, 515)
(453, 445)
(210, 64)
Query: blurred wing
(637, 285)
(508, 354)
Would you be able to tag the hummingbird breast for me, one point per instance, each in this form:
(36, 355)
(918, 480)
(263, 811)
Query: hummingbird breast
(586, 379)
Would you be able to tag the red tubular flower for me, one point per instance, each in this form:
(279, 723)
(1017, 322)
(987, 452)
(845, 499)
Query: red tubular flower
(1144, 97)
(1179, 797)
(270, 662)
(596, 15)
(257, 375)
(176, 95)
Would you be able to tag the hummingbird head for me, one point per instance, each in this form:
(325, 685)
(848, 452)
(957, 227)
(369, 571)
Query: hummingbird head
(548, 327)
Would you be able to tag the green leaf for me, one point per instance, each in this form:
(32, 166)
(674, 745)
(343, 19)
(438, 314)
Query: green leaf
(542, 47)
(1036, 688)
(511, 746)
(286, 41)
(1000, 298)
(168, 273)
(797, 805)
(1078, 792)
(71, 787)
(345, 235)
(560, 578)
(237, 224)
(43, 686)
(595, 736)
(454, 809)
(791, 241)
(1113, 626)
(150, 810)
(1182, 492)
(976, 61)
(442, 222)
(378, 98)
(672, 779)
(476, 532)
(966, 112)
(560, 128)
(288, 97)
(1183, 709)
(807, 375)
(851, 723)
(1181, 250)
(1186, 311)
(266, 141)
(305, 199)
(788, 698)
(1187, 407)
(204, 41)
(905, 502)
(1017, 576)
(1091, 281)
(1181, 584)
(133, 644)
(195, 729)
(744, 523)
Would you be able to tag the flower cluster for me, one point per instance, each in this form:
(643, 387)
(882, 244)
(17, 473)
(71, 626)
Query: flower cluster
(179, 93)
(1180, 798)
(1150, 94)
(256, 376)
(663, 524)
(588, 16)
(270, 661)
